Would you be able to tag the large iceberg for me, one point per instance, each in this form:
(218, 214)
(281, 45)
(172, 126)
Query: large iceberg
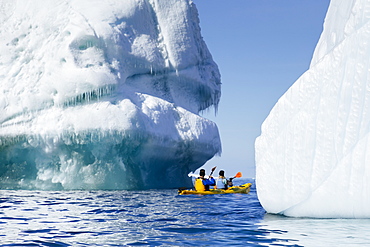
(313, 155)
(104, 94)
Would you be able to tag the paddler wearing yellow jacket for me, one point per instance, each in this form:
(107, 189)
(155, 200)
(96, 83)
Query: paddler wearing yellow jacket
(202, 183)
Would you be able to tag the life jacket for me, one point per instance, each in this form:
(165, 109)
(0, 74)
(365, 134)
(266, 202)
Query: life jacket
(222, 183)
(198, 184)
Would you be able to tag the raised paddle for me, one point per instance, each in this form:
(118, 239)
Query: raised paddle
(238, 175)
(213, 169)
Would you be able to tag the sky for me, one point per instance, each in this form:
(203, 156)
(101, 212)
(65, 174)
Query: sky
(261, 47)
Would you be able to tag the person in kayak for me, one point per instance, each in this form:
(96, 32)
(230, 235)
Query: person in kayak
(202, 183)
(222, 181)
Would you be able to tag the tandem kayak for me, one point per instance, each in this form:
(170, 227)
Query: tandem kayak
(244, 189)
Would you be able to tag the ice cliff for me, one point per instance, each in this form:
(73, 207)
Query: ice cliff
(104, 94)
(313, 155)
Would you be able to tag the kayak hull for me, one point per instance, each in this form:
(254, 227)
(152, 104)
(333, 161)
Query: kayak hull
(242, 189)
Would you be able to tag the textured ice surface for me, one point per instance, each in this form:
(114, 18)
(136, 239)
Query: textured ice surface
(313, 155)
(104, 94)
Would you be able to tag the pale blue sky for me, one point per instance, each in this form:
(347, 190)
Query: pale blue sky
(261, 47)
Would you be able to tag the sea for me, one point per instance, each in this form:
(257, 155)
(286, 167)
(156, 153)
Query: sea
(161, 218)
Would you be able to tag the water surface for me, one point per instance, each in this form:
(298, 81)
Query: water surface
(160, 218)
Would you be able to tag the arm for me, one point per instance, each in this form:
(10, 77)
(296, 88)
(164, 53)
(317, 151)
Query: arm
(210, 181)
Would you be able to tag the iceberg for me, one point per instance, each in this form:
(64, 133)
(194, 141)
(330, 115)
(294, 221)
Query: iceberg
(104, 94)
(313, 154)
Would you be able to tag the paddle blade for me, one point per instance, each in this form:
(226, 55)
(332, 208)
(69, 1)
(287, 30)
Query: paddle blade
(213, 169)
(238, 175)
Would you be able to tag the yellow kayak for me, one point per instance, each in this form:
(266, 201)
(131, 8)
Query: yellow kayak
(244, 189)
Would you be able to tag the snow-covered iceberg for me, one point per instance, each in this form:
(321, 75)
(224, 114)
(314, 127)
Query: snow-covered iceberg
(313, 155)
(104, 94)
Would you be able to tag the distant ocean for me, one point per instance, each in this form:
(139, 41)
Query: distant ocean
(161, 218)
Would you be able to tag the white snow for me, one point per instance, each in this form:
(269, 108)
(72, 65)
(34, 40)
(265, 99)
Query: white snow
(104, 94)
(313, 154)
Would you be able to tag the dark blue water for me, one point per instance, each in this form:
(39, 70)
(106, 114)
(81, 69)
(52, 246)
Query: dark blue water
(145, 218)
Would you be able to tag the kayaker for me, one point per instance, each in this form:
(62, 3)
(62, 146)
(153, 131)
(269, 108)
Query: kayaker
(222, 182)
(202, 183)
